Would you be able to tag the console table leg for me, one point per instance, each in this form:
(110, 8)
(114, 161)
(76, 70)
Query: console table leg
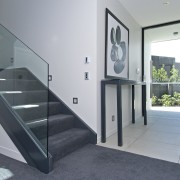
(119, 115)
(133, 107)
(103, 112)
(144, 104)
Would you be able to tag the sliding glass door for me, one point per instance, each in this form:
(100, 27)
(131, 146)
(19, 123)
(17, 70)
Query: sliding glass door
(161, 58)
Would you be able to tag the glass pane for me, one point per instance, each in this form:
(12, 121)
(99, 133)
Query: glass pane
(162, 67)
(24, 85)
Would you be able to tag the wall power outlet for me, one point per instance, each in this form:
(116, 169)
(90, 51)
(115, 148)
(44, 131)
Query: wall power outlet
(113, 117)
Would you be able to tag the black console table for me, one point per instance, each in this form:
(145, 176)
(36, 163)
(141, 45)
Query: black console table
(119, 84)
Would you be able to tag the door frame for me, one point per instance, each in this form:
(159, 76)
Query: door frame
(142, 54)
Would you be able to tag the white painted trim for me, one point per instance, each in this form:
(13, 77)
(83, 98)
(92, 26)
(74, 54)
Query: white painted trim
(98, 139)
(108, 134)
(11, 153)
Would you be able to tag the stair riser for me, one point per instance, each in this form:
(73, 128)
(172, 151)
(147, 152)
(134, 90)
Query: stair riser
(38, 112)
(40, 132)
(54, 127)
(60, 126)
(15, 74)
(26, 98)
(11, 85)
(63, 151)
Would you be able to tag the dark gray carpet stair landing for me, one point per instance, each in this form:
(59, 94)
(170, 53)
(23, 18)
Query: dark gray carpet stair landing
(97, 163)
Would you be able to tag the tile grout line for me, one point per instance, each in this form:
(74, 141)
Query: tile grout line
(150, 129)
(164, 133)
(136, 139)
(158, 141)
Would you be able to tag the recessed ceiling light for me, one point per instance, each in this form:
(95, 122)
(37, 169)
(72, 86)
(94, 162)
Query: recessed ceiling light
(166, 3)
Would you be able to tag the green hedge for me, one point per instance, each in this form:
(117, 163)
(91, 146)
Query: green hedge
(167, 100)
(160, 75)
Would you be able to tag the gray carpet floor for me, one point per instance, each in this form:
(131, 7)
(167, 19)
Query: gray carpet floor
(97, 163)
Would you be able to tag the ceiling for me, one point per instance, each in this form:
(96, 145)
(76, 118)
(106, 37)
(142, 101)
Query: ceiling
(164, 33)
(153, 12)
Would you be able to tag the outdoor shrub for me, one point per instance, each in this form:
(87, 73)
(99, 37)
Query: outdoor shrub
(162, 74)
(159, 75)
(155, 74)
(174, 75)
(154, 100)
(177, 98)
(167, 100)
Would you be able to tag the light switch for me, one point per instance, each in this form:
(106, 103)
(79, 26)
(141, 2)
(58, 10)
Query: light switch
(87, 60)
(86, 75)
(75, 100)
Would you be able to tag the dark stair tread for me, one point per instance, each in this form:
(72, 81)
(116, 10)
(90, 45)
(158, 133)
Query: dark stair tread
(16, 73)
(19, 80)
(38, 103)
(66, 142)
(14, 69)
(59, 123)
(58, 117)
(41, 111)
(20, 85)
(33, 91)
(56, 124)
(26, 97)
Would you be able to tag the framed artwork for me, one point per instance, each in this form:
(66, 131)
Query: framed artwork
(116, 48)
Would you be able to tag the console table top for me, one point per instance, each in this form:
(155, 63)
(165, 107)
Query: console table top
(123, 82)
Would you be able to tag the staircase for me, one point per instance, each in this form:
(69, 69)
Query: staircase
(40, 124)
(51, 122)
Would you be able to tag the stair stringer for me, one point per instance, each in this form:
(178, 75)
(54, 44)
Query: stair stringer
(79, 123)
(32, 151)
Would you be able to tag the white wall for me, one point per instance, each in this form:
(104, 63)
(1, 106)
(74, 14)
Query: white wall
(25, 58)
(134, 61)
(147, 61)
(63, 33)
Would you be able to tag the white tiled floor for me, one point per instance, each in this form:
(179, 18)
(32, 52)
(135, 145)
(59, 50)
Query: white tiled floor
(159, 139)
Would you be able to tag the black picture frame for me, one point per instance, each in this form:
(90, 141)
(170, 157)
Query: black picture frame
(116, 48)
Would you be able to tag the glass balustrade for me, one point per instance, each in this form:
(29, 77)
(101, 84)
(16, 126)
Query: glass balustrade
(24, 86)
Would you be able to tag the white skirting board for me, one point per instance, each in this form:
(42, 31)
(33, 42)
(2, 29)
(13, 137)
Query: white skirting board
(13, 154)
(113, 131)
(8, 148)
